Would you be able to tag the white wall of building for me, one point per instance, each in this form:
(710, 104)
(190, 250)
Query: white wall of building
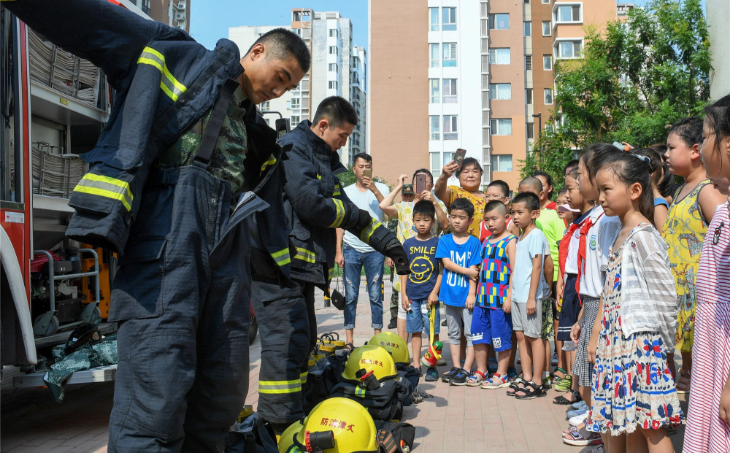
(718, 17)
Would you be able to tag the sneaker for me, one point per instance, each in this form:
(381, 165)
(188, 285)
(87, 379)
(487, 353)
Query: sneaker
(577, 420)
(492, 365)
(577, 412)
(432, 375)
(459, 378)
(441, 362)
(446, 377)
(579, 405)
(496, 382)
(393, 323)
(554, 360)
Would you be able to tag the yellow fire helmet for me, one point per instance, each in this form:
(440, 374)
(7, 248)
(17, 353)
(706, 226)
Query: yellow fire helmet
(371, 358)
(287, 438)
(338, 425)
(394, 344)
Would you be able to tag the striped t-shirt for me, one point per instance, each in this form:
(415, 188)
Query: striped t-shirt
(713, 274)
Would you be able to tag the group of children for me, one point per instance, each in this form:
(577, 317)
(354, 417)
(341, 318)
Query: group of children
(622, 270)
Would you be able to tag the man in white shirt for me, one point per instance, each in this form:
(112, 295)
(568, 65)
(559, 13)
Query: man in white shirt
(355, 254)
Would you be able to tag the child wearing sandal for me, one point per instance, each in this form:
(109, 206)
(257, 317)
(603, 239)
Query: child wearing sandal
(634, 397)
(492, 322)
(529, 289)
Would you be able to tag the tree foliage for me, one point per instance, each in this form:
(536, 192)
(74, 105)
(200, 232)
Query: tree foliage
(636, 77)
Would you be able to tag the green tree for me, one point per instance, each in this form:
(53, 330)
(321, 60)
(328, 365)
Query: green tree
(634, 79)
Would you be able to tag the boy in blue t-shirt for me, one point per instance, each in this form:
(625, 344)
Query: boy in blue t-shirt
(460, 254)
(529, 289)
(492, 321)
(420, 289)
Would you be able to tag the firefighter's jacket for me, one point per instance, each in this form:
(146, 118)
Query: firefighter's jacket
(165, 82)
(316, 204)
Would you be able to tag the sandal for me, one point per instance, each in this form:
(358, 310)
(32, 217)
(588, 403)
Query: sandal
(683, 382)
(530, 391)
(476, 379)
(349, 347)
(582, 438)
(563, 401)
(517, 384)
(564, 384)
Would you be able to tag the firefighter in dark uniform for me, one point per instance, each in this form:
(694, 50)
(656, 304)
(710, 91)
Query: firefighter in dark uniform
(315, 206)
(185, 184)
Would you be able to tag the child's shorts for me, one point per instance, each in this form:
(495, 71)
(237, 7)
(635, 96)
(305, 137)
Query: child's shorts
(458, 320)
(492, 326)
(570, 309)
(531, 325)
(418, 321)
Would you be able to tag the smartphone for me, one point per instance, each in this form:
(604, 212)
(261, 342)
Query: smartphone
(368, 173)
(420, 183)
(459, 156)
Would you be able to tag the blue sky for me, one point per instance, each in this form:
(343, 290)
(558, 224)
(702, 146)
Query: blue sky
(210, 19)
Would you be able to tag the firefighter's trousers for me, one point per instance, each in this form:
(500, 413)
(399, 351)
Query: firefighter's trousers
(181, 297)
(288, 332)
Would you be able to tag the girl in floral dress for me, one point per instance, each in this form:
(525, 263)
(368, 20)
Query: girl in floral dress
(634, 398)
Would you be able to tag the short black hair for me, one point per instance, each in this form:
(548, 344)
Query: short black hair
(688, 129)
(364, 156)
(495, 205)
(562, 190)
(462, 204)
(424, 171)
(549, 182)
(337, 111)
(501, 184)
(571, 164)
(283, 44)
(532, 202)
(532, 182)
(574, 173)
(467, 162)
(424, 207)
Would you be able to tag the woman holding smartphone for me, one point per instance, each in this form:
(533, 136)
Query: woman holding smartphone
(469, 173)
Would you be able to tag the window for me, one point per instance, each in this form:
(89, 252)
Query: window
(450, 128)
(528, 62)
(547, 62)
(434, 51)
(530, 131)
(295, 103)
(499, 56)
(434, 128)
(526, 2)
(499, 21)
(528, 29)
(294, 120)
(568, 13)
(501, 126)
(448, 157)
(435, 91)
(436, 164)
(546, 2)
(333, 33)
(449, 54)
(569, 49)
(547, 29)
(333, 67)
(332, 84)
(333, 50)
(528, 96)
(502, 162)
(448, 19)
(548, 95)
(500, 91)
(264, 106)
(450, 96)
(433, 15)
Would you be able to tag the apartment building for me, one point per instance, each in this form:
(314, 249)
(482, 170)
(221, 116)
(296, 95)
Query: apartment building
(490, 73)
(338, 68)
(175, 13)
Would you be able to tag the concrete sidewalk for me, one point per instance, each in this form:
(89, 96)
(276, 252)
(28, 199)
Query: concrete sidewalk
(457, 419)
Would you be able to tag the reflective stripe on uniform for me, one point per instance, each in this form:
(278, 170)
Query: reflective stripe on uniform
(280, 386)
(271, 161)
(305, 255)
(282, 257)
(168, 84)
(340, 216)
(303, 377)
(337, 192)
(367, 232)
(360, 392)
(106, 186)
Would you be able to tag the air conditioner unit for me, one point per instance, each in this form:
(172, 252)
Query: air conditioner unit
(180, 16)
(180, 6)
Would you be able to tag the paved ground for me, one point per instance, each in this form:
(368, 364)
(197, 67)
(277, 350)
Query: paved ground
(457, 419)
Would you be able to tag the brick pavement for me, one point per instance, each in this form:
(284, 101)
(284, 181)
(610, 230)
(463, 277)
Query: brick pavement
(457, 419)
